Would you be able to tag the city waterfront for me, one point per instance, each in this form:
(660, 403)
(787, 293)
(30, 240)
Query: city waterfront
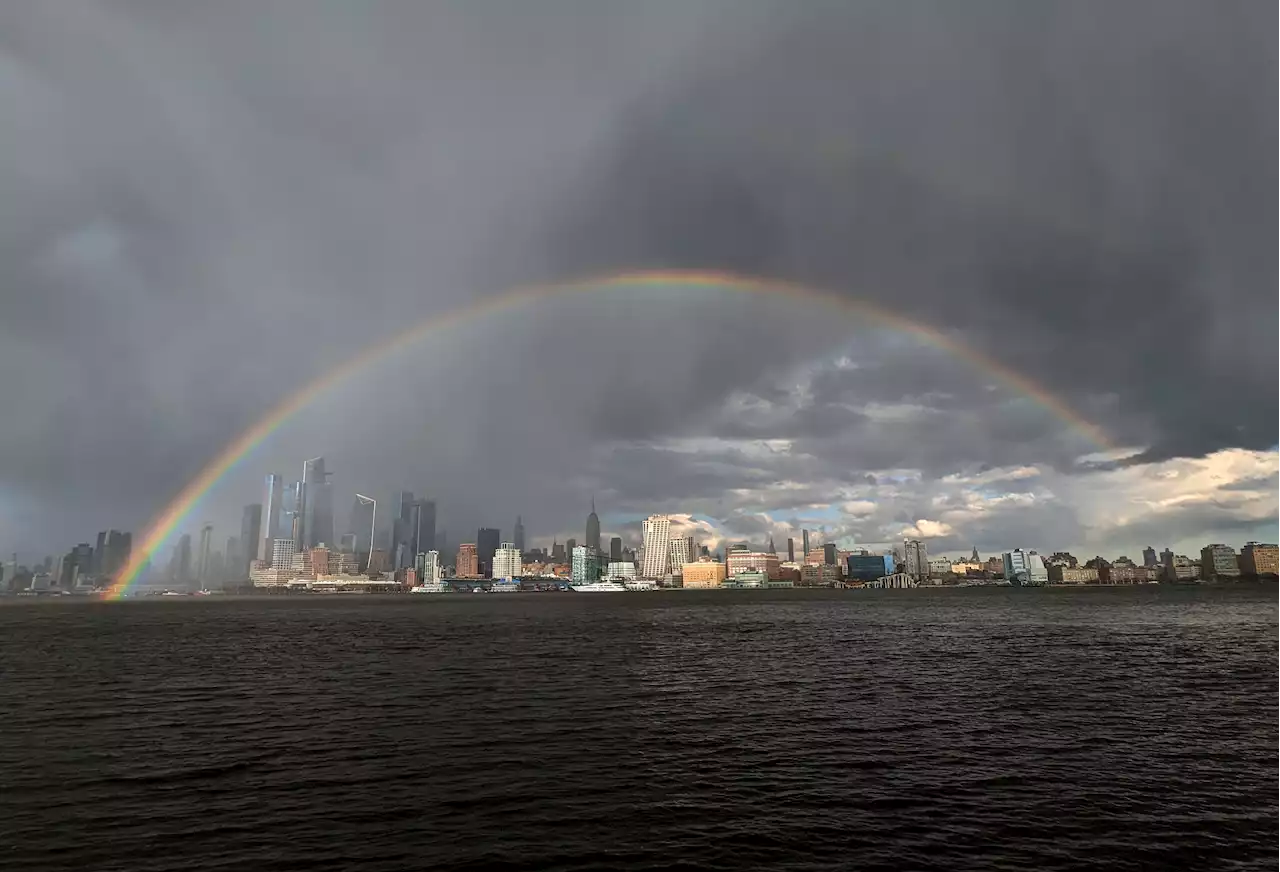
(1054, 728)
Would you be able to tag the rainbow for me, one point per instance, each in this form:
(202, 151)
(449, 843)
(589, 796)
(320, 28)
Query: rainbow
(163, 525)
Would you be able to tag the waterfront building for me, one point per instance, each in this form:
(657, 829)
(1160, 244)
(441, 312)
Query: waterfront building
(1259, 559)
(586, 565)
(703, 573)
(468, 562)
(506, 562)
(740, 559)
(1024, 568)
(620, 570)
(915, 558)
(1218, 561)
(656, 532)
(868, 567)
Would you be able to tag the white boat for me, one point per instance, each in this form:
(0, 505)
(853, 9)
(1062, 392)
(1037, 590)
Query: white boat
(640, 584)
(504, 587)
(597, 587)
(430, 587)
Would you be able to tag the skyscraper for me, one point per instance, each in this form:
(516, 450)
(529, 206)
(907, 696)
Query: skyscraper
(569, 545)
(250, 532)
(402, 531)
(317, 503)
(182, 560)
(557, 552)
(586, 565)
(467, 566)
(361, 525)
(804, 542)
(517, 537)
(615, 549)
(680, 550)
(486, 546)
(593, 528)
(423, 526)
(791, 550)
(829, 553)
(202, 556)
(235, 564)
(1149, 558)
(657, 537)
(273, 510)
(289, 524)
(99, 552)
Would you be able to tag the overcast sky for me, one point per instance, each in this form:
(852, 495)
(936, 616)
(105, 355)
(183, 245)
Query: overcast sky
(205, 205)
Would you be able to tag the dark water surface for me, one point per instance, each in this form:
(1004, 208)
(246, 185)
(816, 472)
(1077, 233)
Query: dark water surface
(960, 729)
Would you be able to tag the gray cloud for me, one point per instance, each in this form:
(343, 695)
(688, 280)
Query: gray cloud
(206, 205)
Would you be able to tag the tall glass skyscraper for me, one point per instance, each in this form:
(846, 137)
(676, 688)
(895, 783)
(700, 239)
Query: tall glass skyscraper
(272, 508)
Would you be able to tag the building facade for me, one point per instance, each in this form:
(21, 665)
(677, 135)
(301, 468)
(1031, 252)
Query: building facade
(468, 562)
(657, 541)
(1259, 559)
(915, 559)
(1218, 561)
(506, 561)
(586, 564)
(703, 573)
(740, 560)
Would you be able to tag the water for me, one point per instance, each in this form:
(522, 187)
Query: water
(960, 729)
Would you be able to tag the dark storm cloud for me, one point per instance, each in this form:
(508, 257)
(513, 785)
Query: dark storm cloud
(204, 205)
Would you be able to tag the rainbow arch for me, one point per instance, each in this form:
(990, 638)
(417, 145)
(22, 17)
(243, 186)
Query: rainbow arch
(163, 525)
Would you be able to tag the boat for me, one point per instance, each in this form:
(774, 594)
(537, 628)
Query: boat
(640, 584)
(430, 587)
(505, 587)
(597, 587)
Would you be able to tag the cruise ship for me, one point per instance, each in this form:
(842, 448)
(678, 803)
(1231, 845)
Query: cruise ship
(431, 587)
(597, 587)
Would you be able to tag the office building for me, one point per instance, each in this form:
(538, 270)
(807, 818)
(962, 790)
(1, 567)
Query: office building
(586, 564)
(557, 552)
(829, 554)
(593, 529)
(272, 510)
(517, 535)
(468, 564)
(486, 546)
(791, 550)
(506, 561)
(1259, 559)
(915, 559)
(250, 533)
(1218, 561)
(202, 554)
(316, 503)
(868, 567)
(657, 538)
(429, 567)
(620, 571)
(615, 549)
(423, 525)
(360, 525)
(282, 551)
(804, 542)
(702, 573)
(1149, 558)
(740, 558)
(680, 550)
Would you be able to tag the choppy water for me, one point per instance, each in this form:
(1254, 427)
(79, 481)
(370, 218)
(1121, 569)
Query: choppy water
(966, 729)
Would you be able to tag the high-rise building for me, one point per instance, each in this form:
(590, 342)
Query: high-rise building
(468, 564)
(430, 568)
(1149, 558)
(234, 559)
(569, 545)
(506, 561)
(586, 564)
(119, 549)
(202, 556)
(317, 503)
(291, 513)
(1259, 559)
(423, 526)
(915, 559)
(656, 538)
(680, 550)
(829, 554)
(181, 570)
(791, 550)
(486, 546)
(99, 551)
(804, 542)
(1218, 561)
(557, 552)
(615, 549)
(250, 532)
(517, 536)
(272, 512)
(282, 551)
(593, 529)
(361, 525)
